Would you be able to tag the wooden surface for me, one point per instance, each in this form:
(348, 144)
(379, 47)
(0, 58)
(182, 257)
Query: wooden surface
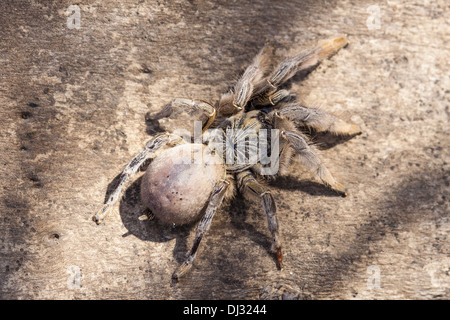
(72, 104)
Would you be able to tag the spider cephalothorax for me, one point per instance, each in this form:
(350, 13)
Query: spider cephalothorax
(252, 132)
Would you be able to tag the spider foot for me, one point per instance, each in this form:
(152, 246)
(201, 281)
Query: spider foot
(340, 189)
(181, 271)
(99, 216)
(279, 257)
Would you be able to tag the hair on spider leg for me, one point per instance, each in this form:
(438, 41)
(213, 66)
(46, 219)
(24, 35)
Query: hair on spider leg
(327, 140)
(312, 136)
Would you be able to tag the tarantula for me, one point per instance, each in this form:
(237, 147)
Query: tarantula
(178, 189)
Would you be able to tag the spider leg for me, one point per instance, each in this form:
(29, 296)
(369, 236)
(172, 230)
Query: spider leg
(215, 201)
(249, 185)
(179, 105)
(271, 99)
(303, 60)
(311, 161)
(130, 170)
(318, 119)
(232, 102)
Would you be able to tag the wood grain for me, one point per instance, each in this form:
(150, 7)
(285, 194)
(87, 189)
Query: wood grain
(73, 101)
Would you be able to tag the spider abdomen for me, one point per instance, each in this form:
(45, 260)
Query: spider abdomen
(177, 184)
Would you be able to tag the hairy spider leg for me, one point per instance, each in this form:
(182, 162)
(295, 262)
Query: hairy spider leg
(303, 60)
(249, 186)
(215, 201)
(233, 102)
(271, 99)
(311, 161)
(318, 119)
(130, 170)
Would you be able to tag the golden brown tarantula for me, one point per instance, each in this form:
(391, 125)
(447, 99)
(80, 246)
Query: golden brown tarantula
(251, 133)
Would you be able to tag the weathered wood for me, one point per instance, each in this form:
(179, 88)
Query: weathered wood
(73, 103)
